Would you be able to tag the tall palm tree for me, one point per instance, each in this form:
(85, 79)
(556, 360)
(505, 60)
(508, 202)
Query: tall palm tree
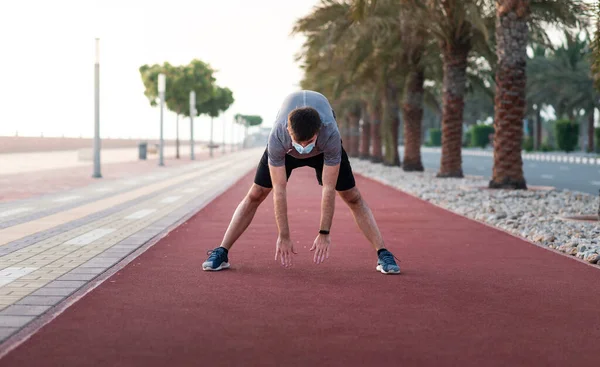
(513, 18)
(459, 26)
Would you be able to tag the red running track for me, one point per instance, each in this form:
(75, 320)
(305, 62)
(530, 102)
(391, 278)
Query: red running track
(469, 295)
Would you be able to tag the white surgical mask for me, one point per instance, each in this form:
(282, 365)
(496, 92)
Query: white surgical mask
(303, 150)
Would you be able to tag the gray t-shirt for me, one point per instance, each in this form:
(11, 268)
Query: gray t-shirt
(328, 141)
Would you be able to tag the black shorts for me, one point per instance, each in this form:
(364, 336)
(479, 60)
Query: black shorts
(345, 179)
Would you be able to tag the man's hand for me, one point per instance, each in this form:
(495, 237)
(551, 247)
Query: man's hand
(285, 249)
(321, 244)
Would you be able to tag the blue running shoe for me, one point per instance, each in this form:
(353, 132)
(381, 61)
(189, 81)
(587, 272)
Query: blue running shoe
(217, 260)
(386, 263)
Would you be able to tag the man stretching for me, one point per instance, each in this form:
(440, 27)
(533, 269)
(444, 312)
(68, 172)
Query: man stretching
(305, 133)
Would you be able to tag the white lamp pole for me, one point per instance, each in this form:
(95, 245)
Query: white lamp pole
(192, 114)
(161, 94)
(223, 123)
(97, 173)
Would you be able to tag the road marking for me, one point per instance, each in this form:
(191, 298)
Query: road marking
(563, 168)
(66, 198)
(87, 238)
(13, 273)
(190, 189)
(577, 160)
(130, 182)
(170, 199)
(584, 160)
(548, 177)
(596, 183)
(13, 211)
(104, 189)
(140, 214)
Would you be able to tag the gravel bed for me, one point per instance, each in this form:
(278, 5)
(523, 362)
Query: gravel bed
(537, 215)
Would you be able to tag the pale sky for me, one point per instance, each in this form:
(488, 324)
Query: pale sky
(47, 50)
(47, 60)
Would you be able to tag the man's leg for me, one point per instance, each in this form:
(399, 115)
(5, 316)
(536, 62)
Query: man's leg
(363, 216)
(243, 215)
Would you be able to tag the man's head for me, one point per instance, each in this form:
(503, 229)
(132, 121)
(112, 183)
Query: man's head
(304, 124)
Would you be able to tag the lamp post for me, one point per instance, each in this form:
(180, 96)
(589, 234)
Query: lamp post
(224, 122)
(97, 173)
(192, 113)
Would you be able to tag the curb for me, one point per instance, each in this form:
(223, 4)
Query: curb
(530, 156)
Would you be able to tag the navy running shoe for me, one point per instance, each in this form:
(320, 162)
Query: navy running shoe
(217, 260)
(386, 263)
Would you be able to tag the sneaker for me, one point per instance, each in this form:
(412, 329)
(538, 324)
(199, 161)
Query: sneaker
(386, 263)
(217, 260)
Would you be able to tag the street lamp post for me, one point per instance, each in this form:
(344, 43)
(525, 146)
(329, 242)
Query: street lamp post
(192, 113)
(224, 122)
(161, 94)
(97, 173)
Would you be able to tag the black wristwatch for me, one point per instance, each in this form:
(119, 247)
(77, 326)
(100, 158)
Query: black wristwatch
(323, 231)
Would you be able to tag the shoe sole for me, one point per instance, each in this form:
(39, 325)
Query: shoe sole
(380, 269)
(221, 267)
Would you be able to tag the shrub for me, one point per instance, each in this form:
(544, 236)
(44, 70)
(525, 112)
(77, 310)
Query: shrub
(528, 143)
(567, 135)
(480, 135)
(435, 137)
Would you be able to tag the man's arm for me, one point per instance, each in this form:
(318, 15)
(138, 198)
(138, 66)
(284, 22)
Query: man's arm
(330, 176)
(284, 247)
(279, 180)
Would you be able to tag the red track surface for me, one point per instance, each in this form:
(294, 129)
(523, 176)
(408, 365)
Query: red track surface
(468, 296)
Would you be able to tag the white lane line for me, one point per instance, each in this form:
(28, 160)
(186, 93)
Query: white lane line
(595, 183)
(131, 182)
(87, 238)
(140, 214)
(548, 177)
(563, 168)
(66, 198)
(13, 212)
(170, 199)
(13, 273)
(104, 189)
(190, 189)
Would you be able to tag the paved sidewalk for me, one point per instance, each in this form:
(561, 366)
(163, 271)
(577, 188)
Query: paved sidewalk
(52, 246)
(469, 295)
(60, 171)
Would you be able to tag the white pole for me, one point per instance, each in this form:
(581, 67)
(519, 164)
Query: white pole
(161, 94)
(192, 114)
(97, 173)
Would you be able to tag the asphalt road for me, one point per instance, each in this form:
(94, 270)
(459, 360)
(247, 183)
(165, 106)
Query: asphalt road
(571, 176)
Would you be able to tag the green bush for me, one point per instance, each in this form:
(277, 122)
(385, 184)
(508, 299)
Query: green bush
(468, 138)
(567, 135)
(528, 143)
(546, 147)
(435, 137)
(480, 135)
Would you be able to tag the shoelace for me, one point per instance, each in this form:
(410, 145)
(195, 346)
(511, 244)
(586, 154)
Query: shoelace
(386, 256)
(215, 251)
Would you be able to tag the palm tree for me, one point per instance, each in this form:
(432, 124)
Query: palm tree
(459, 26)
(513, 18)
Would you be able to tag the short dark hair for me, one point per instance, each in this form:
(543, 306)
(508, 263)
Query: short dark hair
(305, 123)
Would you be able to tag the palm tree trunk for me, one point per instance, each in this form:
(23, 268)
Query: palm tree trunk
(376, 152)
(345, 130)
(512, 35)
(455, 80)
(412, 110)
(354, 131)
(365, 134)
(591, 131)
(390, 126)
